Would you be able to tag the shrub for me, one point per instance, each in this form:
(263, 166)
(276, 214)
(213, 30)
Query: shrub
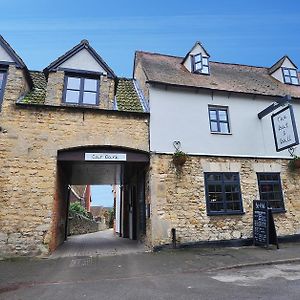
(76, 207)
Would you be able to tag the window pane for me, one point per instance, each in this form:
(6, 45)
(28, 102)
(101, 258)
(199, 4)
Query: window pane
(216, 207)
(287, 79)
(293, 72)
(89, 98)
(73, 83)
(90, 85)
(198, 66)
(230, 177)
(286, 72)
(213, 114)
(215, 197)
(197, 58)
(223, 115)
(214, 126)
(224, 128)
(295, 80)
(205, 61)
(72, 96)
(205, 70)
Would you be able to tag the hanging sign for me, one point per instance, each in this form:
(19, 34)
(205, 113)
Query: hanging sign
(285, 129)
(105, 156)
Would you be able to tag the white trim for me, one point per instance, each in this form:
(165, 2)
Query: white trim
(141, 96)
(226, 155)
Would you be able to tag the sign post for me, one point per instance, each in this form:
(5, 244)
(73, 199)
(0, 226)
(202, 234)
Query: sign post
(264, 230)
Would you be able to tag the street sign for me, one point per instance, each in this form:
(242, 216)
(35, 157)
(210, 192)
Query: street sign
(105, 156)
(284, 129)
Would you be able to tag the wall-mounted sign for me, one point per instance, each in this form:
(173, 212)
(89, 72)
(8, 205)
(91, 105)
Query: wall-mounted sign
(105, 156)
(285, 129)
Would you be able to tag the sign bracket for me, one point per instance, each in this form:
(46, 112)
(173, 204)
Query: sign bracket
(280, 102)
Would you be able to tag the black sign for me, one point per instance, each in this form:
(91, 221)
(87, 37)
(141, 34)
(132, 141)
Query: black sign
(264, 231)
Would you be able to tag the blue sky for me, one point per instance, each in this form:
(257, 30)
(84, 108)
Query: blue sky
(102, 195)
(248, 32)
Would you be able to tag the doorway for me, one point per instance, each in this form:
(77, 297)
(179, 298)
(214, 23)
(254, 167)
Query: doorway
(122, 169)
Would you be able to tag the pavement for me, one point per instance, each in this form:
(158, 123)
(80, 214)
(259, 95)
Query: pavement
(101, 243)
(167, 274)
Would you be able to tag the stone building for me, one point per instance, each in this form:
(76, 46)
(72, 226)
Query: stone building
(209, 110)
(74, 123)
(77, 123)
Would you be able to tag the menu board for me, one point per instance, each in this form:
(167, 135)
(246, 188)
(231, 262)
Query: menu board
(260, 223)
(264, 230)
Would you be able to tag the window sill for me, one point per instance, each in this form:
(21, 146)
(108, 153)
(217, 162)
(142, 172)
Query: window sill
(212, 214)
(79, 104)
(221, 133)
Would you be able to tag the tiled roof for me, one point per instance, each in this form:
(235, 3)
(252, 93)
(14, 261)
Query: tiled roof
(127, 97)
(38, 93)
(223, 76)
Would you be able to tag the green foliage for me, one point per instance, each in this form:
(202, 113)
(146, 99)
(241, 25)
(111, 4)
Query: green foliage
(76, 207)
(179, 154)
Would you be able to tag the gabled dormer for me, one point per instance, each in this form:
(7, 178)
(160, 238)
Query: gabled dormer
(285, 71)
(80, 77)
(9, 58)
(197, 60)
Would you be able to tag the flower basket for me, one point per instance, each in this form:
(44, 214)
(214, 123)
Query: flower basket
(294, 164)
(297, 163)
(179, 158)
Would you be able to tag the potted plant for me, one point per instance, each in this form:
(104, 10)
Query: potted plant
(179, 158)
(294, 163)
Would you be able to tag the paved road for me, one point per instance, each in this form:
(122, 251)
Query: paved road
(182, 274)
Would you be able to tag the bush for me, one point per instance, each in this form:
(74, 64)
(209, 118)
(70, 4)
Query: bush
(76, 207)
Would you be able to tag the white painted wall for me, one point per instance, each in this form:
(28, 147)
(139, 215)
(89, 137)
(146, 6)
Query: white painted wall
(183, 115)
(82, 60)
(4, 56)
(278, 73)
(118, 209)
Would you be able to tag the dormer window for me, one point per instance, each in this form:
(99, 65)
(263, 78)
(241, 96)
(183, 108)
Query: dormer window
(200, 64)
(290, 76)
(81, 90)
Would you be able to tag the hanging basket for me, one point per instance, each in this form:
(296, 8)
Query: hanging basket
(297, 163)
(294, 164)
(179, 160)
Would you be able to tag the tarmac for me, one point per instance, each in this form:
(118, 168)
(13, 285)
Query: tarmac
(31, 276)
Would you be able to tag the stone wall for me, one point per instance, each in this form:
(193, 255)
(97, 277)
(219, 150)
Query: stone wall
(30, 137)
(79, 224)
(178, 199)
(55, 88)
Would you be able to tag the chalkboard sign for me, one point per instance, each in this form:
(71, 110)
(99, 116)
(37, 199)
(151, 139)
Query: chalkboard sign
(264, 230)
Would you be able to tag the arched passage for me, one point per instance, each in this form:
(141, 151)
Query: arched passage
(122, 167)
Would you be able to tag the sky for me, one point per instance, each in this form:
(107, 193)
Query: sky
(246, 32)
(102, 195)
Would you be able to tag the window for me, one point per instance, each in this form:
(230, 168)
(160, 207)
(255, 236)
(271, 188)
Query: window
(200, 64)
(223, 193)
(81, 90)
(218, 118)
(290, 76)
(269, 185)
(2, 84)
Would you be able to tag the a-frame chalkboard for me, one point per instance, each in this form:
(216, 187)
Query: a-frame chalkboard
(264, 230)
